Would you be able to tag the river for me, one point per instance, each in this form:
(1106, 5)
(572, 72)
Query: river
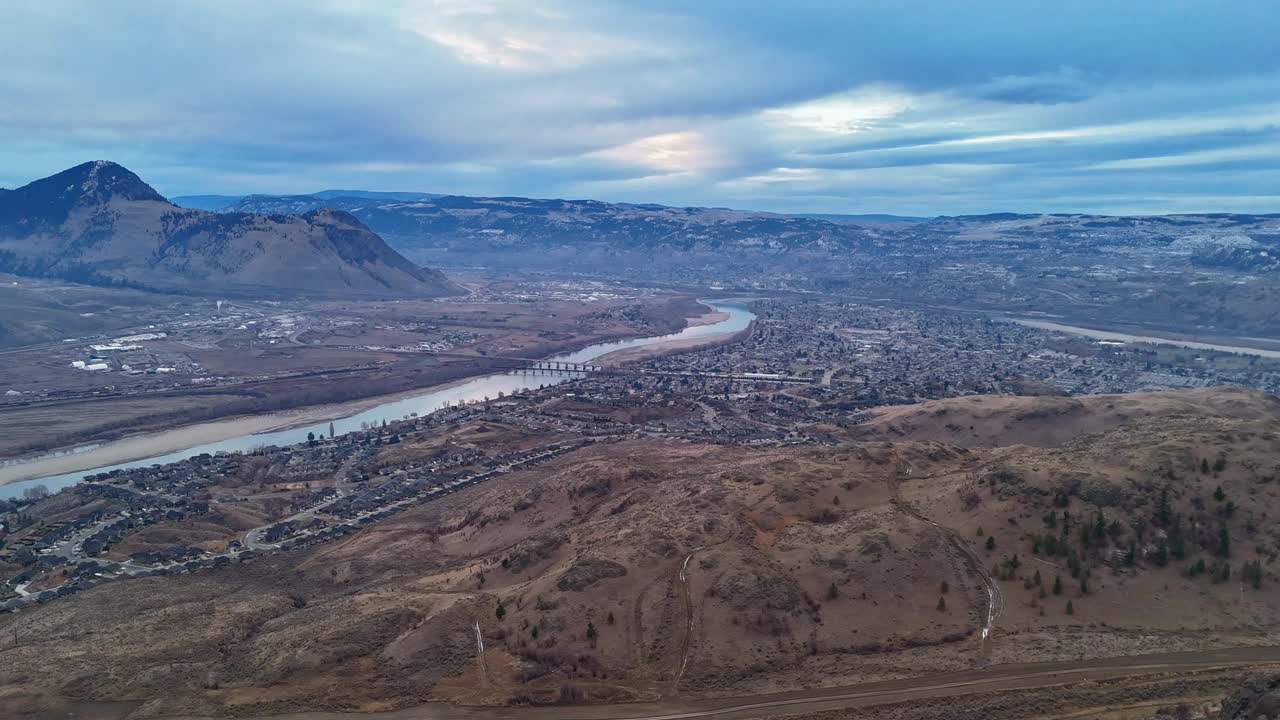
(430, 400)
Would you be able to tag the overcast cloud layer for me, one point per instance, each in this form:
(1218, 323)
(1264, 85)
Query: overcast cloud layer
(916, 108)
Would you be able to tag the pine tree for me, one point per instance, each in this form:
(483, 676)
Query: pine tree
(1177, 538)
(942, 604)
(1218, 494)
(1224, 542)
(500, 612)
(1071, 609)
(1162, 553)
(991, 543)
(1057, 584)
(1164, 513)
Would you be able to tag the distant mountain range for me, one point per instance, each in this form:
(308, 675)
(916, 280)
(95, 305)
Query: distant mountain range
(224, 202)
(500, 230)
(99, 223)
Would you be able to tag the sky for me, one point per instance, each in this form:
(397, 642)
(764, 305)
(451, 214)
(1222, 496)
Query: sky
(905, 107)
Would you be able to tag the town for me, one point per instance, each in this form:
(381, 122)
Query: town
(225, 508)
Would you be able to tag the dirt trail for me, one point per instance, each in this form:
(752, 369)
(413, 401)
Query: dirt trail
(484, 671)
(688, 613)
(686, 645)
(995, 596)
(995, 678)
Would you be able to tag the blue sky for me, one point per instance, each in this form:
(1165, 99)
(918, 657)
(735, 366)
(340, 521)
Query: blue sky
(905, 107)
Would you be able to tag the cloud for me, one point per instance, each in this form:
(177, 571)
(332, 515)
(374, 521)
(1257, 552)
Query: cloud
(857, 106)
(1065, 84)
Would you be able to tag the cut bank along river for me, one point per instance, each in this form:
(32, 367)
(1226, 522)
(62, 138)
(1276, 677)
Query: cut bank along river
(359, 415)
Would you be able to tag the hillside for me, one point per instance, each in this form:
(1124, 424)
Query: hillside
(517, 224)
(1207, 275)
(100, 224)
(639, 569)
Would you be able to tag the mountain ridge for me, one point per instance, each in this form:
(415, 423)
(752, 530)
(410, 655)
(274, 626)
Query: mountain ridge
(100, 223)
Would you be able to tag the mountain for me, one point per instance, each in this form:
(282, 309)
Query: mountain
(1209, 275)
(526, 230)
(375, 195)
(511, 224)
(98, 223)
(866, 218)
(223, 202)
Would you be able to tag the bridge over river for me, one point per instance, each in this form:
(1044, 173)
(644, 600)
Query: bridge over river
(534, 367)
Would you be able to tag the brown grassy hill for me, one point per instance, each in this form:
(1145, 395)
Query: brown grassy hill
(645, 568)
(1045, 421)
(100, 224)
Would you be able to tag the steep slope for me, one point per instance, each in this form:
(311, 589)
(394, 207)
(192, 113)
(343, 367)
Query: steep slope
(99, 223)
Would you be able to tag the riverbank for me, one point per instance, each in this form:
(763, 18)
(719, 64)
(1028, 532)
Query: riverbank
(674, 347)
(242, 433)
(153, 444)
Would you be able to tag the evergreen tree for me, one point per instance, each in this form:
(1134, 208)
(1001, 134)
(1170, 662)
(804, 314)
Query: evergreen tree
(1071, 609)
(1224, 542)
(1177, 538)
(991, 543)
(1218, 494)
(1252, 574)
(1164, 512)
(942, 604)
(1057, 584)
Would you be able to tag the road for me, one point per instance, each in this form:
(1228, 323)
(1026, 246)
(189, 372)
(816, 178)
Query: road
(253, 539)
(1021, 676)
